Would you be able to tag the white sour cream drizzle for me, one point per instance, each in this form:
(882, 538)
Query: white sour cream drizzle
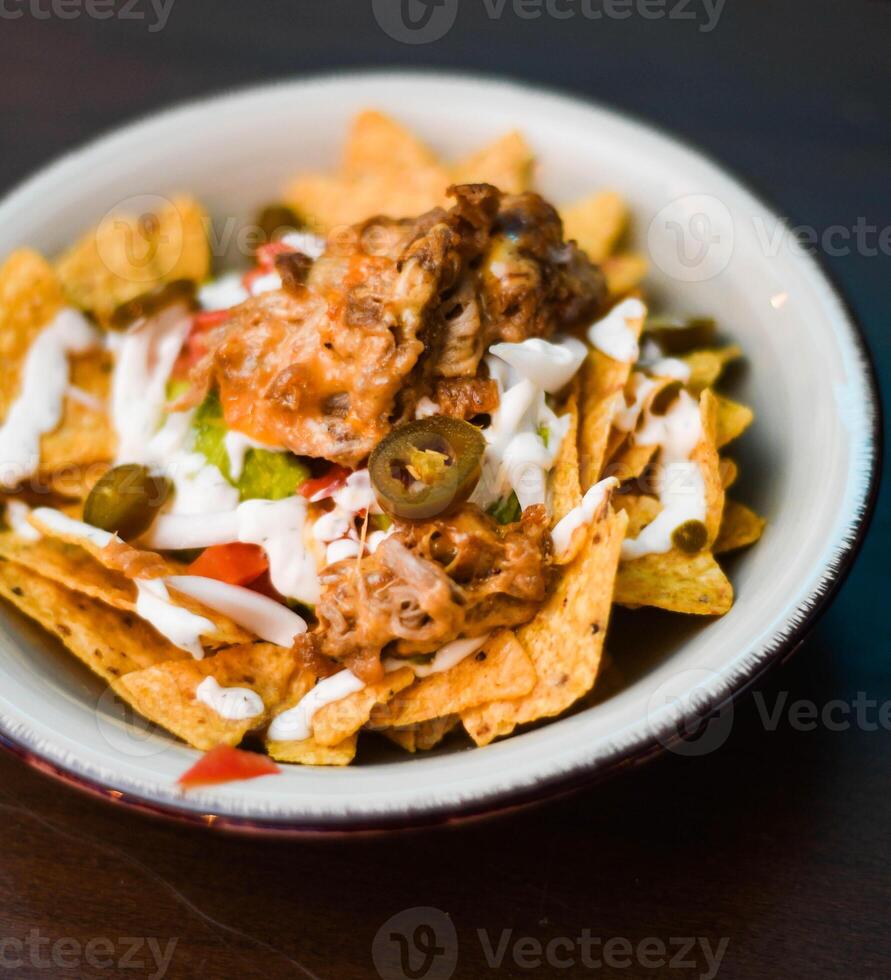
(222, 293)
(231, 703)
(625, 416)
(66, 526)
(237, 445)
(184, 629)
(671, 367)
(41, 399)
(581, 515)
(517, 456)
(275, 525)
(550, 365)
(313, 246)
(265, 617)
(295, 724)
(614, 335)
(17, 517)
(444, 659)
(679, 481)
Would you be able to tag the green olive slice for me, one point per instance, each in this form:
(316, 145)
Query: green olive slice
(153, 302)
(426, 467)
(126, 500)
(690, 536)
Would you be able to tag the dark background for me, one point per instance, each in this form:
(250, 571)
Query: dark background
(778, 842)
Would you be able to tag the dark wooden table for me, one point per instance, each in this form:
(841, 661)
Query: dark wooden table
(770, 855)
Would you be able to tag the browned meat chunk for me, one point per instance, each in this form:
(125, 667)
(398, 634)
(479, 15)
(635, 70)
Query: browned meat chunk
(431, 582)
(392, 306)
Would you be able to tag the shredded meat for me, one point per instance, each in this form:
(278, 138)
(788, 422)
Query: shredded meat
(431, 582)
(464, 398)
(325, 366)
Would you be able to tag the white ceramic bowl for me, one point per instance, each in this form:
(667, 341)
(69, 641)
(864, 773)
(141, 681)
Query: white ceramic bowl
(809, 463)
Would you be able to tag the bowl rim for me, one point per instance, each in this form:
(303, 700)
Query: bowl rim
(798, 620)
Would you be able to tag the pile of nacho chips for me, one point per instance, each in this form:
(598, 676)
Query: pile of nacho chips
(518, 677)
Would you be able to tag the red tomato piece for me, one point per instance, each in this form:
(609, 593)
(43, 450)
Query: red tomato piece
(236, 563)
(325, 485)
(226, 765)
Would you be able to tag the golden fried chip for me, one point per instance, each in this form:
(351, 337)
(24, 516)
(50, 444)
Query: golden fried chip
(624, 273)
(423, 736)
(565, 486)
(707, 366)
(331, 203)
(733, 420)
(310, 753)
(127, 255)
(677, 582)
(602, 381)
(85, 435)
(166, 693)
(116, 587)
(506, 163)
(501, 670)
(706, 455)
(630, 462)
(640, 508)
(378, 144)
(596, 223)
(30, 296)
(111, 642)
(565, 639)
(729, 472)
(740, 527)
(338, 720)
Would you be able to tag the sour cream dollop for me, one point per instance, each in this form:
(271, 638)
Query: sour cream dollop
(295, 724)
(616, 334)
(231, 703)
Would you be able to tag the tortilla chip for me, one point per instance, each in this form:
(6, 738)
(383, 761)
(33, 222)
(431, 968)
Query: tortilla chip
(378, 144)
(733, 420)
(114, 587)
(30, 296)
(335, 722)
(624, 273)
(506, 163)
(729, 472)
(630, 462)
(112, 643)
(706, 455)
(165, 694)
(740, 527)
(596, 223)
(85, 435)
(640, 508)
(565, 486)
(564, 640)
(423, 736)
(602, 381)
(127, 255)
(707, 366)
(501, 670)
(329, 203)
(677, 582)
(310, 753)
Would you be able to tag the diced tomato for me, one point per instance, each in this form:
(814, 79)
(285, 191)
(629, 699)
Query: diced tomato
(236, 563)
(226, 765)
(324, 486)
(207, 319)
